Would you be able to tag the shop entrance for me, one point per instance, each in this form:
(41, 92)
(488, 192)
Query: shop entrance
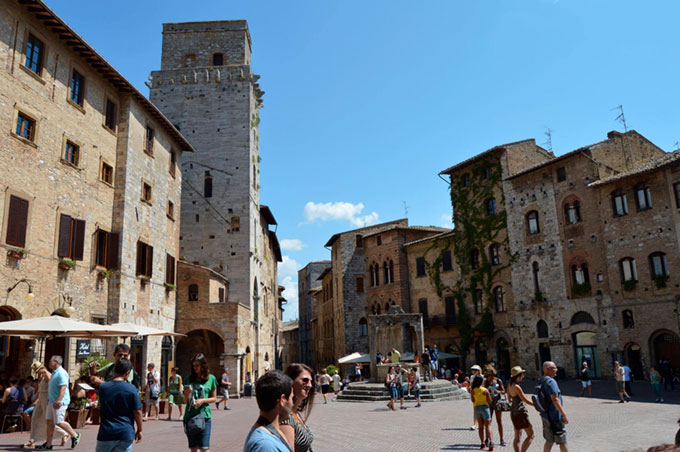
(585, 349)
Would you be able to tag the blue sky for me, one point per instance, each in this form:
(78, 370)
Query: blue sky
(367, 101)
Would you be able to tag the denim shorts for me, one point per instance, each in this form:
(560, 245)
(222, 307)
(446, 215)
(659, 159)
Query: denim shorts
(482, 412)
(201, 440)
(114, 446)
(393, 392)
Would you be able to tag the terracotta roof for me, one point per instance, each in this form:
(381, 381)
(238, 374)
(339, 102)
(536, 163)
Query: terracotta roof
(432, 237)
(651, 165)
(365, 228)
(276, 246)
(290, 326)
(53, 22)
(482, 155)
(409, 228)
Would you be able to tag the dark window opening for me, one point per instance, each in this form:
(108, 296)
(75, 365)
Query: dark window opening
(144, 259)
(34, 54)
(71, 241)
(420, 266)
(77, 87)
(110, 115)
(218, 59)
(561, 174)
(447, 262)
(193, 292)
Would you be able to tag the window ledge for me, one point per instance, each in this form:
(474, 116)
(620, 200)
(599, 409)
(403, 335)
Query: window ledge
(111, 131)
(149, 152)
(24, 140)
(147, 201)
(78, 107)
(67, 163)
(106, 183)
(170, 217)
(32, 74)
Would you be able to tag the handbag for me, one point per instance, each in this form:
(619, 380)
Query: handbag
(155, 394)
(502, 404)
(195, 424)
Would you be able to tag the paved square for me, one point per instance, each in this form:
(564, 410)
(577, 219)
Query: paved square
(596, 424)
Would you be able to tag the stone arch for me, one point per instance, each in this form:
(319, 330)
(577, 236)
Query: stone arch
(582, 317)
(665, 344)
(542, 329)
(196, 341)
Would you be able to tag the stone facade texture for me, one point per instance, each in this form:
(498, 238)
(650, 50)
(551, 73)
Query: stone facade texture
(207, 89)
(307, 282)
(39, 171)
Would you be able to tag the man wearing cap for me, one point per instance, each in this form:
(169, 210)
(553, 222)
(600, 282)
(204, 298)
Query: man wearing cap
(554, 417)
(107, 373)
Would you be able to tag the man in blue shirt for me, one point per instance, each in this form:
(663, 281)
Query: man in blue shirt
(274, 394)
(58, 399)
(120, 408)
(554, 417)
(627, 377)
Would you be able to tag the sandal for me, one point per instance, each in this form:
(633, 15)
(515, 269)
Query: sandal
(64, 439)
(29, 444)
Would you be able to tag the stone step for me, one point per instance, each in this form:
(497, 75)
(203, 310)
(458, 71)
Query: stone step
(374, 392)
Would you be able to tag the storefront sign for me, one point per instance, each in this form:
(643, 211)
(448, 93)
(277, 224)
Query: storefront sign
(82, 349)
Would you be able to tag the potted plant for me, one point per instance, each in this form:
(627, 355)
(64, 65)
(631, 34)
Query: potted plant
(163, 403)
(144, 279)
(105, 274)
(630, 284)
(77, 416)
(170, 287)
(660, 281)
(66, 264)
(581, 289)
(16, 253)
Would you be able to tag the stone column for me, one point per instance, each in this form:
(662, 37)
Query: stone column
(372, 345)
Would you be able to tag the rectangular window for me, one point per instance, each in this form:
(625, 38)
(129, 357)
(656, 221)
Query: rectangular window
(235, 224)
(450, 307)
(420, 266)
(35, 50)
(107, 173)
(422, 308)
(171, 209)
(561, 174)
(620, 203)
(447, 264)
(71, 153)
(169, 269)
(25, 126)
(144, 259)
(17, 221)
(77, 87)
(148, 142)
(360, 241)
(378, 240)
(220, 295)
(360, 285)
(146, 192)
(173, 163)
(106, 249)
(465, 180)
(110, 115)
(643, 195)
(207, 187)
(71, 240)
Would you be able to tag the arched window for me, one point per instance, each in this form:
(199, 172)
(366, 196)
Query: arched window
(534, 272)
(375, 270)
(193, 292)
(363, 327)
(582, 317)
(379, 309)
(490, 206)
(388, 268)
(579, 274)
(628, 269)
(619, 203)
(474, 259)
(391, 269)
(657, 265)
(387, 308)
(572, 212)
(495, 254)
(218, 59)
(532, 223)
(643, 196)
(628, 320)
(542, 329)
(498, 299)
(371, 277)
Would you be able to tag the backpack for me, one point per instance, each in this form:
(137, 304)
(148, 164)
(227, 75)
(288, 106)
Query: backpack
(539, 399)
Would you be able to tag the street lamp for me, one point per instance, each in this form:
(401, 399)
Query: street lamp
(29, 296)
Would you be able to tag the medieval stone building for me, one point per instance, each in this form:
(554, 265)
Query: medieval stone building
(206, 87)
(307, 282)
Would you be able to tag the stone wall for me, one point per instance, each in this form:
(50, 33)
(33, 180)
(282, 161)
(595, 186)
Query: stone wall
(307, 281)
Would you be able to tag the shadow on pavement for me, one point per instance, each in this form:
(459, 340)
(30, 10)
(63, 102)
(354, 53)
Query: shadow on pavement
(458, 429)
(461, 447)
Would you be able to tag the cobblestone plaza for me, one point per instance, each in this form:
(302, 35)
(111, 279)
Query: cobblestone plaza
(597, 424)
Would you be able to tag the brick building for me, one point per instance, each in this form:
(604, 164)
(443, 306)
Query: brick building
(206, 87)
(289, 342)
(307, 282)
(91, 192)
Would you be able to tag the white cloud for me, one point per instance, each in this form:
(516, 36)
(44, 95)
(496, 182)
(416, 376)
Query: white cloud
(288, 278)
(292, 245)
(339, 211)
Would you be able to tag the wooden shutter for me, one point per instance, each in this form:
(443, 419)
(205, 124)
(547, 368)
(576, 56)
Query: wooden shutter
(140, 258)
(17, 221)
(149, 260)
(64, 240)
(112, 245)
(78, 243)
(170, 269)
(221, 295)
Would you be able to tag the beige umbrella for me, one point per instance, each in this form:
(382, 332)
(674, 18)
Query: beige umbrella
(141, 330)
(57, 326)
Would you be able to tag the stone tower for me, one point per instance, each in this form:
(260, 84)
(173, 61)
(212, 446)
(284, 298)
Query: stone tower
(207, 89)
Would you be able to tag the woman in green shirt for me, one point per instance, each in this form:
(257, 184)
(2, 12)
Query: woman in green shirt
(200, 390)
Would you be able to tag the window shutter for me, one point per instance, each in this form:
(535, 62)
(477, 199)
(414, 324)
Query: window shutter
(140, 258)
(170, 269)
(112, 245)
(221, 295)
(78, 240)
(64, 241)
(149, 260)
(17, 221)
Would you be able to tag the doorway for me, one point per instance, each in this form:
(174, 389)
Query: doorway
(543, 354)
(56, 346)
(166, 357)
(585, 349)
(634, 361)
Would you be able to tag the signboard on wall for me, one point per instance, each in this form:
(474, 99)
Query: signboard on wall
(82, 349)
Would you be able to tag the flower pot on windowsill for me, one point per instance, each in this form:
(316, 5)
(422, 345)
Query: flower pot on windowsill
(581, 289)
(660, 281)
(630, 284)
(16, 253)
(144, 280)
(170, 287)
(104, 274)
(66, 264)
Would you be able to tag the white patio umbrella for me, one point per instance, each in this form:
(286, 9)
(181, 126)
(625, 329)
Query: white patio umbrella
(57, 326)
(141, 330)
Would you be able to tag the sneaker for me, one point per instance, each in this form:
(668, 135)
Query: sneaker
(621, 401)
(226, 408)
(75, 440)
(486, 442)
(418, 406)
(44, 446)
(503, 444)
(482, 446)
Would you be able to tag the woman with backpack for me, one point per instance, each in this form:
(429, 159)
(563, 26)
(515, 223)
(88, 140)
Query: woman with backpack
(481, 401)
(519, 415)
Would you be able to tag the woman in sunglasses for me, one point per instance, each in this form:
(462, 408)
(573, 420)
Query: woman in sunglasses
(294, 428)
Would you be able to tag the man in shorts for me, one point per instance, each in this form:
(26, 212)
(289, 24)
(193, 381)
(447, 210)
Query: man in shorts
(554, 417)
(620, 375)
(58, 397)
(223, 390)
(585, 380)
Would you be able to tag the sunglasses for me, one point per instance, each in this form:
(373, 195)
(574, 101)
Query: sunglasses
(306, 380)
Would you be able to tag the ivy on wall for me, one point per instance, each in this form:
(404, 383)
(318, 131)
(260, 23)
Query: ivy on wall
(478, 224)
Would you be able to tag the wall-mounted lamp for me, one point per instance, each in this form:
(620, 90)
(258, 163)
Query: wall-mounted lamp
(29, 296)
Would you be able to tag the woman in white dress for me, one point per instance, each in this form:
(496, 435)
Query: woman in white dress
(38, 423)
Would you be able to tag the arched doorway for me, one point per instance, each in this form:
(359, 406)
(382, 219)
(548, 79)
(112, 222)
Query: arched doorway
(585, 343)
(166, 357)
(634, 360)
(665, 345)
(200, 341)
(503, 357)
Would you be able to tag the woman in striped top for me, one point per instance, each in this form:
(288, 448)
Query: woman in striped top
(295, 428)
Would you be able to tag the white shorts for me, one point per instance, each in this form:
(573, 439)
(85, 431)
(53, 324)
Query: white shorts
(56, 415)
(586, 383)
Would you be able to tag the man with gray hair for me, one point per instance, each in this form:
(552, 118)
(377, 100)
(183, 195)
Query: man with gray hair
(553, 415)
(58, 399)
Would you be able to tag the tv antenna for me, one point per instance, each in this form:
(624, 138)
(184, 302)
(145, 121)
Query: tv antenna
(548, 142)
(405, 209)
(622, 118)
